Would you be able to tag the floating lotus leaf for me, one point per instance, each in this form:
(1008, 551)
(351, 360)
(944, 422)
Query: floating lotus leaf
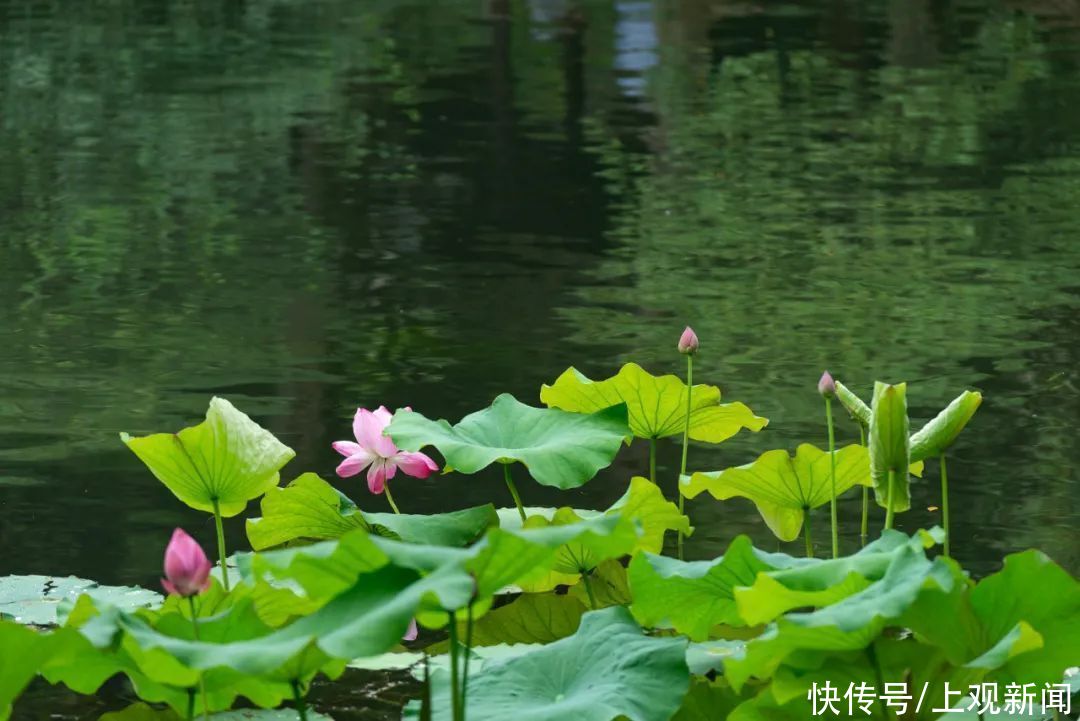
(942, 430)
(889, 445)
(34, 600)
(560, 449)
(783, 487)
(656, 404)
(609, 669)
(228, 459)
(310, 509)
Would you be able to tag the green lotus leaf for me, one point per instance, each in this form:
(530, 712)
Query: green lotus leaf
(24, 651)
(142, 712)
(560, 449)
(609, 669)
(816, 583)
(853, 405)
(609, 585)
(693, 596)
(707, 700)
(850, 624)
(890, 445)
(708, 656)
(532, 618)
(310, 509)
(225, 461)
(644, 502)
(580, 555)
(783, 487)
(656, 404)
(941, 431)
(1021, 623)
(35, 600)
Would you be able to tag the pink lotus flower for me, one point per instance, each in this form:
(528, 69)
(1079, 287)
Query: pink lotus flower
(412, 632)
(688, 341)
(377, 452)
(826, 386)
(187, 570)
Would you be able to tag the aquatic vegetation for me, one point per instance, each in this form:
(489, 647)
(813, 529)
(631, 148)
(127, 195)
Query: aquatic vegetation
(538, 613)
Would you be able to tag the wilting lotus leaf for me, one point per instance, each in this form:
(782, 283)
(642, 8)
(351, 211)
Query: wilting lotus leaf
(1021, 623)
(609, 669)
(310, 509)
(889, 446)
(693, 596)
(560, 449)
(34, 600)
(941, 431)
(23, 652)
(783, 487)
(816, 583)
(656, 404)
(228, 459)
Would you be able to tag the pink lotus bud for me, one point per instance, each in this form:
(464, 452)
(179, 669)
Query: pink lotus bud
(826, 386)
(187, 570)
(412, 632)
(688, 342)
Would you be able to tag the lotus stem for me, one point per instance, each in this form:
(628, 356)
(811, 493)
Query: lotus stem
(425, 699)
(863, 528)
(390, 498)
(685, 444)
(455, 688)
(202, 681)
(589, 591)
(190, 716)
(221, 544)
(298, 699)
(652, 460)
(806, 535)
(889, 513)
(832, 499)
(465, 665)
(513, 491)
(945, 503)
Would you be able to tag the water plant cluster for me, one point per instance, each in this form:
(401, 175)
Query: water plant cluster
(560, 613)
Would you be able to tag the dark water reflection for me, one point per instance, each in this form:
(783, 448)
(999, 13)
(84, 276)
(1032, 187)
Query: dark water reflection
(312, 206)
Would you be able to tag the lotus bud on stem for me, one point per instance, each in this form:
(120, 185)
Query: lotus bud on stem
(827, 388)
(688, 346)
(187, 574)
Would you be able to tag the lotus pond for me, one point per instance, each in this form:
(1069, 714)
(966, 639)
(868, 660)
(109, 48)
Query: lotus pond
(262, 216)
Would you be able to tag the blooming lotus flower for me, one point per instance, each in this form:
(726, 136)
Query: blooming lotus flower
(377, 452)
(187, 569)
(826, 386)
(688, 342)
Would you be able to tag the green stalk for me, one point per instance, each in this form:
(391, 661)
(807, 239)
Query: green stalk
(190, 705)
(588, 590)
(455, 688)
(386, 490)
(465, 670)
(513, 491)
(806, 534)
(945, 502)
(863, 528)
(832, 459)
(221, 545)
(685, 441)
(202, 681)
(425, 699)
(652, 460)
(298, 698)
(889, 513)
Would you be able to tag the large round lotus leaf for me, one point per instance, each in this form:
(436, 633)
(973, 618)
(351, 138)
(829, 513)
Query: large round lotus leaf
(33, 600)
(560, 449)
(310, 509)
(784, 487)
(656, 404)
(227, 459)
(609, 669)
